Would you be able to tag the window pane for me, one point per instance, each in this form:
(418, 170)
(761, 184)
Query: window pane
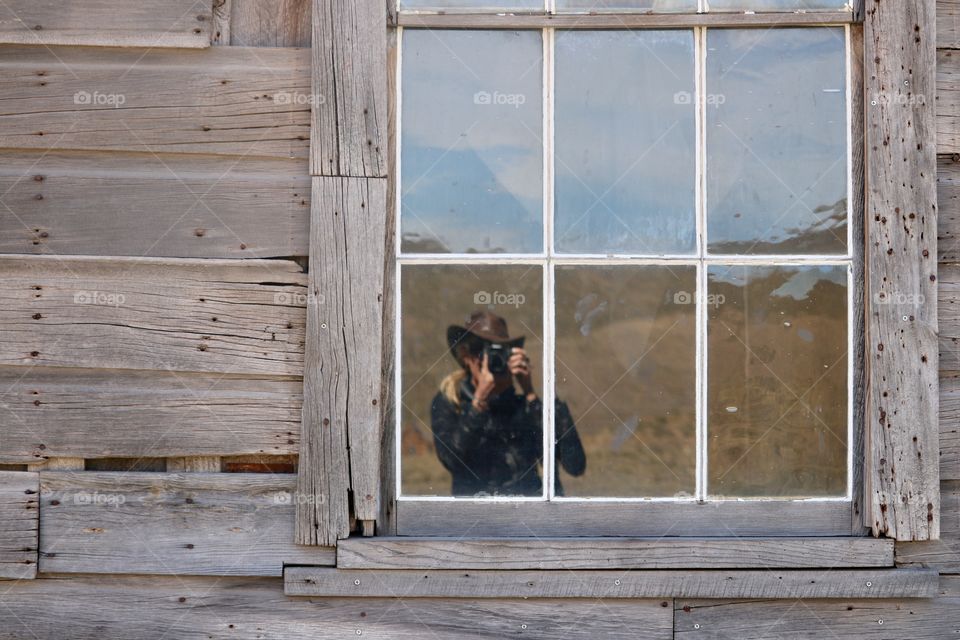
(777, 371)
(626, 376)
(448, 448)
(472, 5)
(659, 6)
(471, 153)
(625, 142)
(777, 5)
(776, 141)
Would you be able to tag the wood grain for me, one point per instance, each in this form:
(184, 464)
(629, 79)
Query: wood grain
(948, 207)
(948, 24)
(270, 23)
(349, 130)
(169, 523)
(949, 426)
(142, 204)
(232, 101)
(107, 23)
(902, 471)
(46, 412)
(933, 619)
(947, 101)
(619, 21)
(19, 494)
(629, 519)
(342, 381)
(189, 608)
(612, 553)
(223, 316)
(767, 583)
(942, 554)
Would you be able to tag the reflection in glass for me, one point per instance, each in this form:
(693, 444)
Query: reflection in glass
(625, 142)
(626, 367)
(471, 156)
(452, 315)
(472, 5)
(656, 6)
(777, 372)
(777, 5)
(776, 167)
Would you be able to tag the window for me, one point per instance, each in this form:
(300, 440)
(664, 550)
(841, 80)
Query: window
(663, 217)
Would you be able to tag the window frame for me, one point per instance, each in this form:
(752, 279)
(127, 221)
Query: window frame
(524, 517)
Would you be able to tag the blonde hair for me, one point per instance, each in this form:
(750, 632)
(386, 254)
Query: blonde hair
(450, 387)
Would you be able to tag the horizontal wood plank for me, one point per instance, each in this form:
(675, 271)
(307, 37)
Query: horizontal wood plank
(942, 554)
(270, 23)
(100, 413)
(224, 316)
(948, 206)
(947, 101)
(948, 24)
(611, 20)
(142, 204)
(185, 608)
(19, 493)
(933, 619)
(612, 553)
(233, 101)
(106, 23)
(949, 425)
(631, 519)
(710, 583)
(169, 523)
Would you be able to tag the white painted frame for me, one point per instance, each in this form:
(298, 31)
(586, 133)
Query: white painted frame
(548, 259)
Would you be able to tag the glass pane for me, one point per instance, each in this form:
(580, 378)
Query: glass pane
(777, 371)
(449, 446)
(625, 138)
(657, 6)
(472, 5)
(776, 141)
(471, 153)
(777, 5)
(626, 377)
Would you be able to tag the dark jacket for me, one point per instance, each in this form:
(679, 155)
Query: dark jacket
(497, 451)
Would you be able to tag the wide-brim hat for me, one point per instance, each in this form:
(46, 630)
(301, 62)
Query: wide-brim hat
(484, 325)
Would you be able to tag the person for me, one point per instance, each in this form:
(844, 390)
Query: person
(488, 435)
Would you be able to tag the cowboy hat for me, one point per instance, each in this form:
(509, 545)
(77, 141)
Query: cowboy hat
(483, 325)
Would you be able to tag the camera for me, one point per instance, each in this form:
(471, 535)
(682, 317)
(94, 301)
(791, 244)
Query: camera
(497, 357)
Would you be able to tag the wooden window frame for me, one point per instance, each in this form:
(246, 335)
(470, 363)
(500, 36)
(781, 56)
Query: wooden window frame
(449, 516)
(346, 470)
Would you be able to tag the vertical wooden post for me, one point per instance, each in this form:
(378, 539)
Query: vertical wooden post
(340, 446)
(902, 474)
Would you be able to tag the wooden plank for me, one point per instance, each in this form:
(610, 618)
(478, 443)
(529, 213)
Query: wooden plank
(46, 412)
(171, 524)
(767, 583)
(19, 493)
(629, 519)
(60, 463)
(143, 204)
(342, 385)
(933, 619)
(948, 205)
(611, 20)
(106, 23)
(270, 23)
(948, 308)
(949, 427)
(612, 553)
(190, 608)
(948, 24)
(902, 477)
(947, 99)
(225, 100)
(942, 554)
(348, 136)
(220, 35)
(224, 316)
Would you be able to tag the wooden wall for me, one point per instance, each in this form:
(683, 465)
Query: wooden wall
(154, 313)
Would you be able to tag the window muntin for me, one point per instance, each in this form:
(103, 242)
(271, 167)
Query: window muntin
(647, 6)
(555, 266)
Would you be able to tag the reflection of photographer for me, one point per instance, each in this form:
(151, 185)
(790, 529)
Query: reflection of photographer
(489, 436)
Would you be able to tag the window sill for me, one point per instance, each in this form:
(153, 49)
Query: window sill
(388, 553)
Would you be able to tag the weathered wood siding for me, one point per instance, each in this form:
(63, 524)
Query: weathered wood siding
(19, 513)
